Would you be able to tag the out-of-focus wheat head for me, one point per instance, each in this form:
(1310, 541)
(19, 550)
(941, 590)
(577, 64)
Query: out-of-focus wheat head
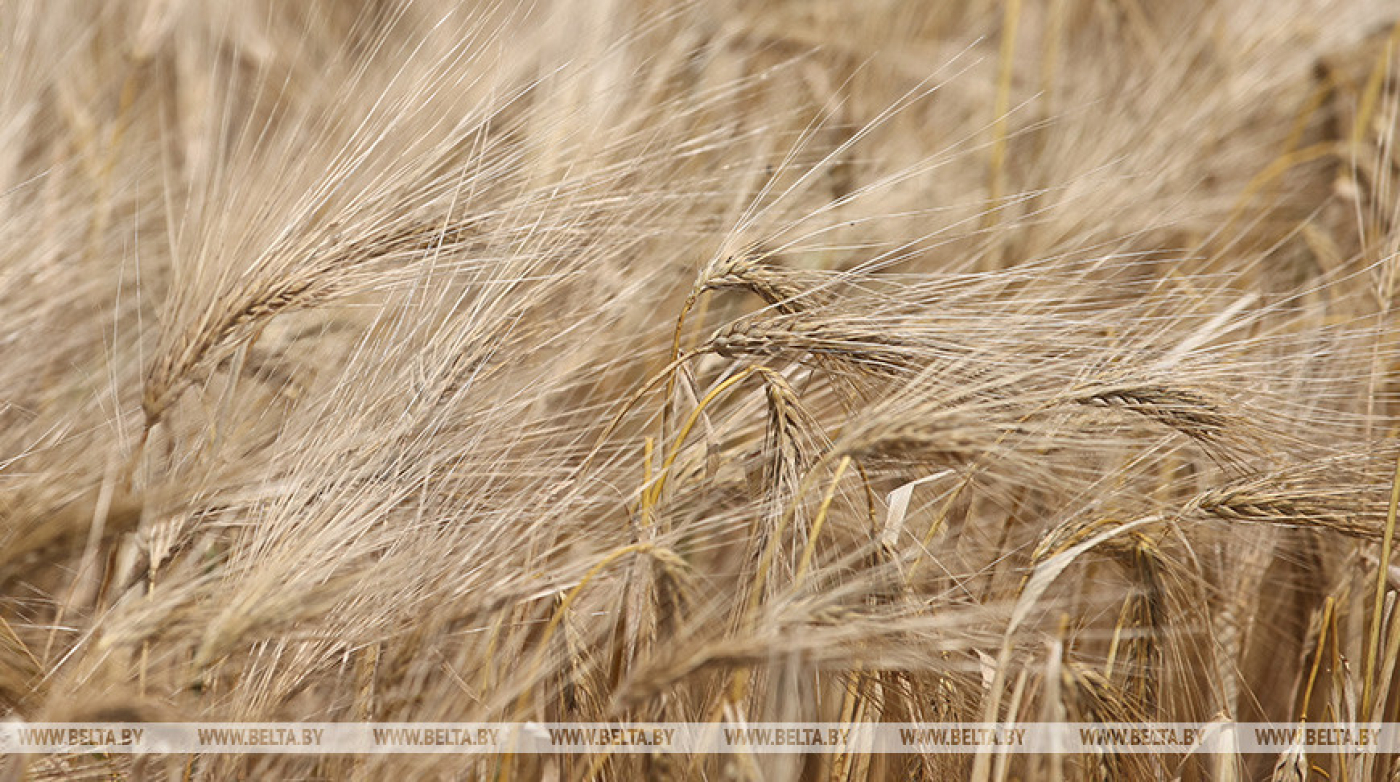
(414, 360)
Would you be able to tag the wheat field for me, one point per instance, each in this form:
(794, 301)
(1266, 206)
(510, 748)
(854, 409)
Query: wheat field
(714, 361)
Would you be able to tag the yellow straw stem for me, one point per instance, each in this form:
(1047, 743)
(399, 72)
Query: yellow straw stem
(564, 607)
(1382, 569)
(811, 547)
(674, 453)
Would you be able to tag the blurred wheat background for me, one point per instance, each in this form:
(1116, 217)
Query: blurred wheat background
(415, 360)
